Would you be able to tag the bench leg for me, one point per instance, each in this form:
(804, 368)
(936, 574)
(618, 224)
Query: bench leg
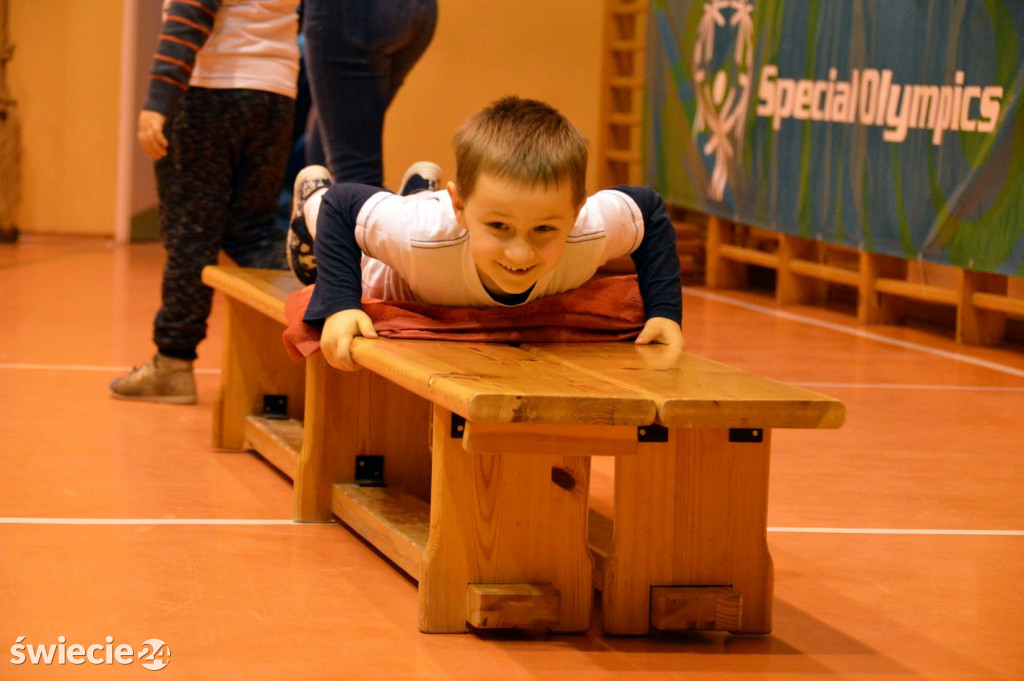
(690, 549)
(330, 438)
(254, 363)
(508, 540)
(352, 413)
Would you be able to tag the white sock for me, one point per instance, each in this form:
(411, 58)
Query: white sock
(311, 210)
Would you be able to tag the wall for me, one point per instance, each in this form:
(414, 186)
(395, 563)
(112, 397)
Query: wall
(137, 195)
(67, 68)
(64, 76)
(483, 50)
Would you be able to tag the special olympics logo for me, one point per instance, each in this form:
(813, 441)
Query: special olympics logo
(723, 83)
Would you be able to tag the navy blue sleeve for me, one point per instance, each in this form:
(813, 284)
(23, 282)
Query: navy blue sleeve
(656, 259)
(339, 276)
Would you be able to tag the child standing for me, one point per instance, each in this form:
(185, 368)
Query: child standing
(218, 120)
(514, 226)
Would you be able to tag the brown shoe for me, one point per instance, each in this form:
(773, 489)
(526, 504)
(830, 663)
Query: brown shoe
(162, 379)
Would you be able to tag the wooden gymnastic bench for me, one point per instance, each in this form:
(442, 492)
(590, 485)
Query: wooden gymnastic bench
(487, 452)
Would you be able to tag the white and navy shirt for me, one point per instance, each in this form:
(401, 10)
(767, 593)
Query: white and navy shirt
(370, 242)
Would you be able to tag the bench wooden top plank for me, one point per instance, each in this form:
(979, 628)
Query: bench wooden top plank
(263, 290)
(583, 383)
(499, 383)
(692, 391)
(484, 382)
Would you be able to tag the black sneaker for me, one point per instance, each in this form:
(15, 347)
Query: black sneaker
(422, 176)
(300, 239)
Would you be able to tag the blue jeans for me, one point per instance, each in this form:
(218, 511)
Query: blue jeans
(358, 53)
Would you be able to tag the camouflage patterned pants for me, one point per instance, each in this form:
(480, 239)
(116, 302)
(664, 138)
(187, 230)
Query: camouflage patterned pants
(218, 189)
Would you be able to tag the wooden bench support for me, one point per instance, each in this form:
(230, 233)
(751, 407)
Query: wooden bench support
(330, 441)
(500, 518)
(790, 286)
(883, 284)
(689, 512)
(696, 608)
(355, 413)
(512, 606)
(395, 523)
(977, 325)
(277, 441)
(534, 438)
(254, 363)
(721, 271)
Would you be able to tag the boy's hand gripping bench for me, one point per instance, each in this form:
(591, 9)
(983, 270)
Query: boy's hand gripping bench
(499, 439)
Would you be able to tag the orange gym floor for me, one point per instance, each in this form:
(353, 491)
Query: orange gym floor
(898, 540)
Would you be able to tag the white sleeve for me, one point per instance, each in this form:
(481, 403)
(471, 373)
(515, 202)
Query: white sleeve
(613, 216)
(391, 228)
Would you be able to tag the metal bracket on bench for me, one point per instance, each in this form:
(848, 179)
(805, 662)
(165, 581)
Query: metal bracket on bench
(652, 433)
(746, 435)
(458, 426)
(275, 407)
(370, 470)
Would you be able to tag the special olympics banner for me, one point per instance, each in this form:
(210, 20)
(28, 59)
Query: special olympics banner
(893, 126)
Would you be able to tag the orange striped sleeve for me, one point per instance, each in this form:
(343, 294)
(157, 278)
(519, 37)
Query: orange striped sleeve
(173, 82)
(191, 24)
(177, 62)
(200, 6)
(187, 25)
(179, 41)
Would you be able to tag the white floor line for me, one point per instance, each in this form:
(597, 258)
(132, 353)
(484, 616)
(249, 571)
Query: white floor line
(897, 531)
(854, 332)
(910, 386)
(148, 521)
(83, 367)
(271, 521)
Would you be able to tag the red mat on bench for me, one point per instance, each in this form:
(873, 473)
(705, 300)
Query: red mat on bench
(606, 309)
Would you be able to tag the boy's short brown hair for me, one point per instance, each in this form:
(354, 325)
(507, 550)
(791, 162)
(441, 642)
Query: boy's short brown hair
(524, 141)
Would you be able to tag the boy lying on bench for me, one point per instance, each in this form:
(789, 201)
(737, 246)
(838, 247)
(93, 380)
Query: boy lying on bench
(515, 226)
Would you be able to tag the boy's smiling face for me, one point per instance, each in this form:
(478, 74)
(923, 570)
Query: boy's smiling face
(517, 233)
